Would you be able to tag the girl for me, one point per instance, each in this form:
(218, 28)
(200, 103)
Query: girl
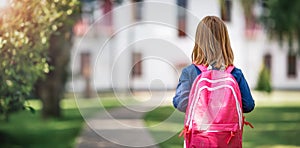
(212, 48)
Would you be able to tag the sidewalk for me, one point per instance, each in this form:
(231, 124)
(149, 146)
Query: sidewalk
(120, 128)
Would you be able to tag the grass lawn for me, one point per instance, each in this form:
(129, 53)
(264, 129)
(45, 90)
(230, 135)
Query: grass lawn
(277, 127)
(27, 130)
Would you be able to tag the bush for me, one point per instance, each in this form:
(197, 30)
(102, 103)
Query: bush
(264, 80)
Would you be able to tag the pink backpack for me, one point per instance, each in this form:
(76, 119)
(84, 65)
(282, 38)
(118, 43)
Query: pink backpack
(214, 116)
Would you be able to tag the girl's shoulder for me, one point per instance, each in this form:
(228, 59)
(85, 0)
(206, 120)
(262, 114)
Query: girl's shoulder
(191, 71)
(237, 73)
(190, 67)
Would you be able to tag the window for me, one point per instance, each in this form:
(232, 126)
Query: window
(137, 64)
(85, 64)
(137, 10)
(292, 65)
(85, 69)
(226, 10)
(253, 10)
(268, 61)
(181, 17)
(107, 7)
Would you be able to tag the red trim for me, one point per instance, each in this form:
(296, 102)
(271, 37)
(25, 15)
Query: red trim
(231, 135)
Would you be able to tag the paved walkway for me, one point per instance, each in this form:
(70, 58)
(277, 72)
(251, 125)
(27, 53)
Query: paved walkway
(121, 127)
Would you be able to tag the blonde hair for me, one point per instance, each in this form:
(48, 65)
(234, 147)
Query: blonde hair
(212, 44)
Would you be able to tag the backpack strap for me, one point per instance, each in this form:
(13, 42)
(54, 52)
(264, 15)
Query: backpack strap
(229, 69)
(202, 68)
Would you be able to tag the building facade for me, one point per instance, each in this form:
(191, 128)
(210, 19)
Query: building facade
(144, 44)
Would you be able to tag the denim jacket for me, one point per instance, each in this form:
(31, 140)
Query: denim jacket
(189, 74)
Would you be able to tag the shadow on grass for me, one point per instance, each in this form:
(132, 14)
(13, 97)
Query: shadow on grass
(29, 130)
(274, 127)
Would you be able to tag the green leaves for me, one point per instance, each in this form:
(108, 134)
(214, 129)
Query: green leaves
(282, 20)
(25, 30)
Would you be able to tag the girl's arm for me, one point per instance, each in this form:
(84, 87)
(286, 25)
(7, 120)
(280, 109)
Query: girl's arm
(180, 101)
(247, 99)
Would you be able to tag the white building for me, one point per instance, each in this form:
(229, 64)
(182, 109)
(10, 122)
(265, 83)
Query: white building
(138, 45)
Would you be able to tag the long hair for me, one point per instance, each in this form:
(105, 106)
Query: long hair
(212, 44)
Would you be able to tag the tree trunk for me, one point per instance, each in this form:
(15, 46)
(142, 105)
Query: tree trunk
(51, 89)
(50, 99)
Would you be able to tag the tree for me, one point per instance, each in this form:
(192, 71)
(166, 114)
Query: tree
(25, 31)
(282, 19)
(51, 89)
